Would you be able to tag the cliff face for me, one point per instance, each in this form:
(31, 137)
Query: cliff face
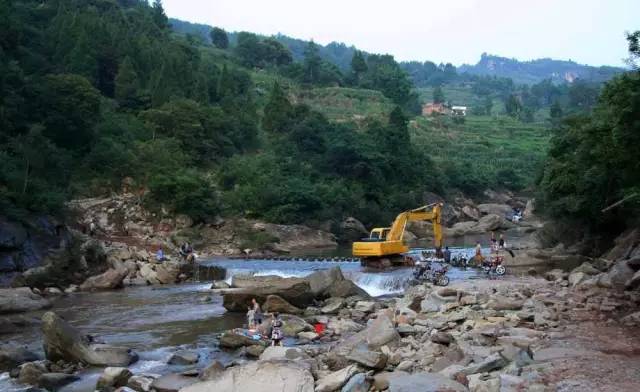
(24, 245)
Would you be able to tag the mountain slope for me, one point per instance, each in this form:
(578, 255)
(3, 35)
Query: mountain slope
(535, 71)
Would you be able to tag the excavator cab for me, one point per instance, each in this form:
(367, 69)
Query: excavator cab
(378, 234)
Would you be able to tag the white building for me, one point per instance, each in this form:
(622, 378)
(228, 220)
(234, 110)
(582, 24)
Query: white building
(459, 110)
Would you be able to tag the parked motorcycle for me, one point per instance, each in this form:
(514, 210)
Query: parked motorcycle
(425, 273)
(494, 264)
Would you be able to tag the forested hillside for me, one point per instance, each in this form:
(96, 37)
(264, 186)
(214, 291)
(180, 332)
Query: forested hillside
(98, 92)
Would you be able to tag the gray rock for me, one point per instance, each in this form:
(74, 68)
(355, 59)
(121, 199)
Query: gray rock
(501, 303)
(220, 284)
(336, 380)
(617, 276)
(575, 278)
(279, 352)
(345, 288)
(30, 372)
(184, 357)
(308, 335)
(260, 376)
(357, 383)
(365, 306)
(233, 340)
(113, 377)
(441, 337)
(62, 341)
(110, 279)
(11, 357)
(214, 370)
(255, 351)
(586, 268)
(172, 383)
(492, 362)
(370, 359)
(380, 332)
(140, 383)
(296, 291)
(332, 305)
(275, 303)
(424, 382)
(555, 274)
(21, 299)
(293, 325)
(634, 282)
(321, 280)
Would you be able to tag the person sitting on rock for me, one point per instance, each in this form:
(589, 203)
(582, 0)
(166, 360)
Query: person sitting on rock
(276, 330)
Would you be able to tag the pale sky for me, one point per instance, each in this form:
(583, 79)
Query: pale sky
(456, 31)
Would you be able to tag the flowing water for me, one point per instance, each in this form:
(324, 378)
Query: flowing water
(156, 321)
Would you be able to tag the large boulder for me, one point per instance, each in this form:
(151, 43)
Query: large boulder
(625, 245)
(617, 277)
(491, 222)
(501, 210)
(172, 382)
(380, 332)
(64, 342)
(321, 280)
(296, 237)
(346, 288)
(110, 279)
(280, 352)
(21, 299)
(184, 357)
(370, 359)
(293, 325)
(296, 291)
(336, 380)
(275, 303)
(260, 376)
(423, 382)
(352, 229)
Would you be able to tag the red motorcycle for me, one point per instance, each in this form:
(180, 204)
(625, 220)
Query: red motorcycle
(494, 263)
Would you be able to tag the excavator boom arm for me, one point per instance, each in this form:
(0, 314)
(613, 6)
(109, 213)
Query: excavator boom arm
(430, 212)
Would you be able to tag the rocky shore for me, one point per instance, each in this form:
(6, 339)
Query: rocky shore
(513, 334)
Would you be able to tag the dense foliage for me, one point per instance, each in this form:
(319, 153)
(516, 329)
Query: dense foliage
(592, 161)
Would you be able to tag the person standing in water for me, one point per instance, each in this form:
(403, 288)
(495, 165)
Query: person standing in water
(257, 311)
(276, 330)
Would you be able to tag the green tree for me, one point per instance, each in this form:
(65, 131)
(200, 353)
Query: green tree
(358, 65)
(278, 111)
(438, 95)
(513, 106)
(127, 85)
(311, 64)
(70, 109)
(555, 112)
(159, 17)
(219, 38)
(487, 104)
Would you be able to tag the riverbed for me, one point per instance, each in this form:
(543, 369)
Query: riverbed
(156, 321)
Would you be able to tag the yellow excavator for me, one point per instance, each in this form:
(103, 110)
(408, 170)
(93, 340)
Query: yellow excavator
(384, 247)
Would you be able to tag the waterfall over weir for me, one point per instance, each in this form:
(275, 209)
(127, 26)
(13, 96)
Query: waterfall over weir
(376, 283)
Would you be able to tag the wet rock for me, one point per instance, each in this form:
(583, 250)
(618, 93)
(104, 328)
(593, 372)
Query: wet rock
(184, 357)
(370, 359)
(62, 341)
(336, 380)
(332, 305)
(172, 383)
(380, 332)
(140, 383)
(11, 357)
(233, 340)
(358, 383)
(55, 381)
(21, 299)
(220, 284)
(260, 376)
(110, 279)
(424, 382)
(214, 370)
(113, 377)
(280, 352)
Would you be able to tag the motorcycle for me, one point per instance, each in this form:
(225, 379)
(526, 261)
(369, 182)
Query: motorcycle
(422, 273)
(494, 264)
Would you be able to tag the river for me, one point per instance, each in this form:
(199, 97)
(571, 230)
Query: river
(156, 321)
